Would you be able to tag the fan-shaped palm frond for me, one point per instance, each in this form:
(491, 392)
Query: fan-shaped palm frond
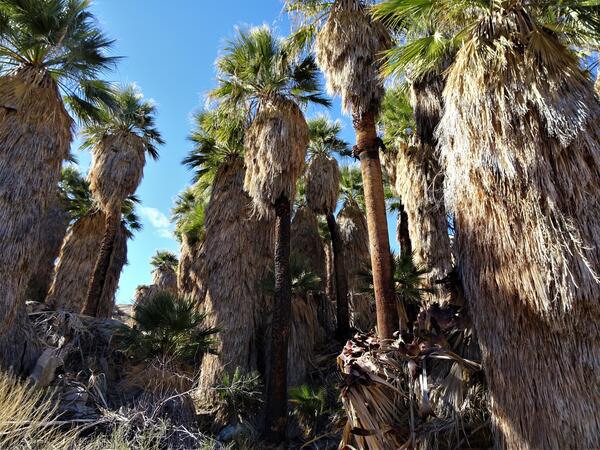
(60, 38)
(257, 67)
(324, 137)
(164, 259)
(130, 114)
(351, 185)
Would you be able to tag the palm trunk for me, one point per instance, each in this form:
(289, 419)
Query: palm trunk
(368, 150)
(341, 280)
(117, 261)
(402, 230)
(54, 225)
(35, 134)
(276, 401)
(97, 282)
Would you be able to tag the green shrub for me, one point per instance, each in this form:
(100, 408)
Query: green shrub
(241, 393)
(170, 326)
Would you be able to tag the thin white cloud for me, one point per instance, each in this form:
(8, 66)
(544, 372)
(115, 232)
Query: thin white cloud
(159, 221)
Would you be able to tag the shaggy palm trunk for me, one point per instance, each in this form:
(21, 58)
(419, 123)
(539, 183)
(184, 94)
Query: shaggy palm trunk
(76, 263)
(276, 395)
(97, 283)
(522, 155)
(368, 151)
(420, 182)
(117, 261)
(54, 226)
(35, 134)
(341, 279)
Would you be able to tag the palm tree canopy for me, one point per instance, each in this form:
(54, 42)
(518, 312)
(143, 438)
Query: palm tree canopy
(164, 259)
(351, 186)
(259, 75)
(430, 30)
(322, 184)
(347, 42)
(132, 115)
(258, 67)
(59, 38)
(189, 214)
(218, 135)
(324, 137)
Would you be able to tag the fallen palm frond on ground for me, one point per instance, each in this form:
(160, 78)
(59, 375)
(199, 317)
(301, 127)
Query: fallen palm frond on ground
(429, 393)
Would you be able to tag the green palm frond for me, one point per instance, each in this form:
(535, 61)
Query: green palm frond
(217, 135)
(131, 114)
(74, 191)
(188, 214)
(131, 220)
(164, 259)
(168, 325)
(60, 38)
(324, 137)
(258, 67)
(351, 185)
(396, 119)
(303, 280)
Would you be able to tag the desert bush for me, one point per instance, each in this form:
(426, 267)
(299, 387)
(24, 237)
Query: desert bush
(241, 393)
(169, 326)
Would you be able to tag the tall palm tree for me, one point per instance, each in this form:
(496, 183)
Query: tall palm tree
(322, 193)
(119, 138)
(49, 50)
(347, 43)
(258, 73)
(519, 125)
(223, 273)
(419, 176)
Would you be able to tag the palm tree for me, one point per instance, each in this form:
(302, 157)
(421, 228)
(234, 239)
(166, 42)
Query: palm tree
(119, 139)
(419, 177)
(322, 193)
(347, 43)
(220, 273)
(49, 51)
(519, 125)
(164, 274)
(258, 73)
(164, 279)
(80, 246)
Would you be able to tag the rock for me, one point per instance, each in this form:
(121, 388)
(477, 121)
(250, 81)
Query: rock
(45, 367)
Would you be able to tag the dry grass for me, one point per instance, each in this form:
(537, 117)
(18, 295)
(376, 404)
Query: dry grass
(236, 253)
(275, 144)
(521, 144)
(322, 184)
(35, 135)
(347, 49)
(117, 169)
(28, 419)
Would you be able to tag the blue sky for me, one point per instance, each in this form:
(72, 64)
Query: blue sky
(169, 49)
